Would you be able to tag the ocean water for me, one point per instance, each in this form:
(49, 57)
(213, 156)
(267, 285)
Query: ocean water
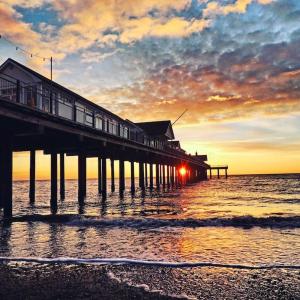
(243, 220)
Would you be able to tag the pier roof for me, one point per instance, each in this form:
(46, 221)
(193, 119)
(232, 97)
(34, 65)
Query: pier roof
(57, 85)
(158, 128)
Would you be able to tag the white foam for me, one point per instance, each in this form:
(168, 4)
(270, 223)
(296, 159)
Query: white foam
(125, 261)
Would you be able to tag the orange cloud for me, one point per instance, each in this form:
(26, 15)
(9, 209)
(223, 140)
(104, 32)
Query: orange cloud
(240, 6)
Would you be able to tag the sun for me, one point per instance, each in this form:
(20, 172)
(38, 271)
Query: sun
(182, 171)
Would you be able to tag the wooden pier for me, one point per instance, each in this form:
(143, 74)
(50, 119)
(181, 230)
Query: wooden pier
(39, 114)
(218, 168)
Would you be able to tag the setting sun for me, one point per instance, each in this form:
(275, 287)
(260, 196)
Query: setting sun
(182, 171)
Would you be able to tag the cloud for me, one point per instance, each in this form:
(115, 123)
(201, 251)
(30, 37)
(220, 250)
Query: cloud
(239, 6)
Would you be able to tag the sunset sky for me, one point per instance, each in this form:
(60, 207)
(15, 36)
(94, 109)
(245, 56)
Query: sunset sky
(234, 64)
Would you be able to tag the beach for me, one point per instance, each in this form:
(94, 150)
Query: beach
(61, 281)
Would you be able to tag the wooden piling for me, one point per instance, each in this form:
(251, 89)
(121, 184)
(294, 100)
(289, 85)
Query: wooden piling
(151, 176)
(146, 174)
(141, 176)
(112, 168)
(157, 175)
(160, 173)
(99, 175)
(218, 174)
(81, 177)
(6, 162)
(32, 177)
(62, 175)
(172, 175)
(168, 176)
(103, 178)
(121, 176)
(53, 199)
(163, 176)
(132, 177)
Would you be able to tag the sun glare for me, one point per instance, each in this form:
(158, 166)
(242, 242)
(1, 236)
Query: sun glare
(182, 171)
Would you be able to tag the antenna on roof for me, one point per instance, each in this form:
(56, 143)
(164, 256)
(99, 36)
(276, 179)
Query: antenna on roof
(179, 117)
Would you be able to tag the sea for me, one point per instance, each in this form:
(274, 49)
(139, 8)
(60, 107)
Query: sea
(248, 221)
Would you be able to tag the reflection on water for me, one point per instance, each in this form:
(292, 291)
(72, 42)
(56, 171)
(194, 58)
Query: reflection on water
(201, 222)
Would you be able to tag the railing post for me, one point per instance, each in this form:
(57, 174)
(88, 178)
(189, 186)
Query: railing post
(74, 111)
(51, 102)
(18, 92)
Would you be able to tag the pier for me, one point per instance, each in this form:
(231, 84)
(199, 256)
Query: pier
(218, 168)
(39, 114)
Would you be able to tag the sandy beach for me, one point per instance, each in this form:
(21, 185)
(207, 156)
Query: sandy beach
(59, 281)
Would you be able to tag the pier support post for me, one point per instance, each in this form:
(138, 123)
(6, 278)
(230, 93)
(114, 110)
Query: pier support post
(163, 176)
(160, 173)
(103, 178)
(53, 199)
(176, 177)
(157, 175)
(121, 176)
(112, 175)
(226, 175)
(210, 174)
(141, 175)
(146, 174)
(151, 176)
(172, 176)
(132, 177)
(168, 176)
(32, 177)
(62, 176)
(218, 174)
(81, 177)
(6, 161)
(99, 175)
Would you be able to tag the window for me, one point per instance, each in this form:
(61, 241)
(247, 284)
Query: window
(89, 117)
(64, 105)
(79, 113)
(124, 132)
(112, 127)
(99, 122)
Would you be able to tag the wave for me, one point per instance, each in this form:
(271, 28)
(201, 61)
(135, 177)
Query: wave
(136, 262)
(151, 223)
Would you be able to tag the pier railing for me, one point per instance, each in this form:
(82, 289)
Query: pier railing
(51, 100)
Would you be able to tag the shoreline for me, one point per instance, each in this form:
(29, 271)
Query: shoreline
(64, 281)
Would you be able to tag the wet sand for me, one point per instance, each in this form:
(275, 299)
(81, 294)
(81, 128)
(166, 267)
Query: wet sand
(59, 281)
